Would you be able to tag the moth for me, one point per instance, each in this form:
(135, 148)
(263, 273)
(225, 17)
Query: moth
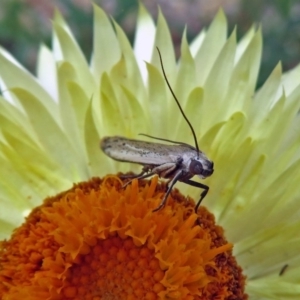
(176, 162)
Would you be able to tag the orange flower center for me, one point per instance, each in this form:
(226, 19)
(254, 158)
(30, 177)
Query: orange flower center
(100, 241)
(116, 269)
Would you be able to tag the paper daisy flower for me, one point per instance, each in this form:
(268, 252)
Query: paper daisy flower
(97, 240)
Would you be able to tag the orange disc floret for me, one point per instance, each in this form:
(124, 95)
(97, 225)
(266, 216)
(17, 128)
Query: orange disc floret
(101, 241)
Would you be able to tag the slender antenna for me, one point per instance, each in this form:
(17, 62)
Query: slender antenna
(166, 140)
(174, 96)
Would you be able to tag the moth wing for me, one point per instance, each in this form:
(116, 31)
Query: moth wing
(141, 152)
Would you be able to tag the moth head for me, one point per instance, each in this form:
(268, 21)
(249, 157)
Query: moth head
(201, 166)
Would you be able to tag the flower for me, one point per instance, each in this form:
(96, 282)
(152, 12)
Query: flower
(98, 240)
(47, 145)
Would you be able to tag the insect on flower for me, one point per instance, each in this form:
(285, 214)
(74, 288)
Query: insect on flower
(177, 162)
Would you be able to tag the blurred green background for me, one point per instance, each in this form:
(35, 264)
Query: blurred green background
(24, 24)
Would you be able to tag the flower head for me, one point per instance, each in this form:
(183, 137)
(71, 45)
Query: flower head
(99, 240)
(50, 129)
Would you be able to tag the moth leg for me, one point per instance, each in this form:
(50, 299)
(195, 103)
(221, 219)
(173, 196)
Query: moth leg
(167, 172)
(142, 175)
(172, 183)
(145, 169)
(160, 170)
(172, 167)
(132, 176)
(165, 169)
(198, 185)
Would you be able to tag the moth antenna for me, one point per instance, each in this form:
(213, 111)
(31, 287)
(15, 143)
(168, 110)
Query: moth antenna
(179, 106)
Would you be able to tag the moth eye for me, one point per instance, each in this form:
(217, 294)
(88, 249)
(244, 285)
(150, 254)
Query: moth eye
(196, 167)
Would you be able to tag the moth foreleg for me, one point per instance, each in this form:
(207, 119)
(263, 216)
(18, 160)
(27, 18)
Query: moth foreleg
(201, 186)
(170, 186)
